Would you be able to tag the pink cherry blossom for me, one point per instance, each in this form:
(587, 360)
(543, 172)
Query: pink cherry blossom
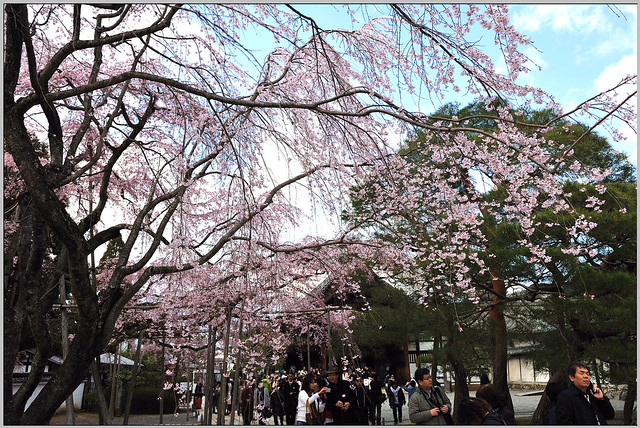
(203, 150)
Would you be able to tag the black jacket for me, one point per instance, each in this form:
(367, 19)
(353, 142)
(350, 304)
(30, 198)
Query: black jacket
(493, 418)
(377, 396)
(572, 408)
(289, 391)
(341, 391)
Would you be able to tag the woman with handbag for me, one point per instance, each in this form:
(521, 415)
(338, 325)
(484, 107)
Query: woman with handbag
(309, 403)
(262, 403)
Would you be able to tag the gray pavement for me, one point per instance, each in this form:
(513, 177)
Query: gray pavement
(524, 403)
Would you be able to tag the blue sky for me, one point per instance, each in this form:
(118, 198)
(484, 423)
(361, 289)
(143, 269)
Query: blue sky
(582, 49)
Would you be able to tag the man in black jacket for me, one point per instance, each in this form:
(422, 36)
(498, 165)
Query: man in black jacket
(340, 398)
(289, 388)
(582, 403)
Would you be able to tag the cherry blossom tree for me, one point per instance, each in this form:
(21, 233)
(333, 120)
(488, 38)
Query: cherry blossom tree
(460, 216)
(161, 125)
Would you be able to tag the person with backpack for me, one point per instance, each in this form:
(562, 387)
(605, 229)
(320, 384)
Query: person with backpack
(377, 397)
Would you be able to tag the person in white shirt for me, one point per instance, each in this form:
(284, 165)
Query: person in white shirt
(308, 396)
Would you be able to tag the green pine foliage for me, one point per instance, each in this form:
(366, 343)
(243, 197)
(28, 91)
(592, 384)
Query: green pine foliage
(392, 317)
(590, 312)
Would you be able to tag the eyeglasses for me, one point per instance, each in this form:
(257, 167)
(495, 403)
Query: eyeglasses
(426, 377)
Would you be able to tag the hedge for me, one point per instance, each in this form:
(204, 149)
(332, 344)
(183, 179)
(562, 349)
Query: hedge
(144, 402)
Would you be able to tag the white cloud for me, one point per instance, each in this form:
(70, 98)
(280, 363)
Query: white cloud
(561, 17)
(628, 12)
(613, 73)
(621, 39)
(525, 20)
(609, 77)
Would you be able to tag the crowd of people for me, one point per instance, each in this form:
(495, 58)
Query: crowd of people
(333, 398)
(313, 398)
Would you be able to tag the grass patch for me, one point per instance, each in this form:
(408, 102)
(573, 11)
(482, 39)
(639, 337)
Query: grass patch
(523, 421)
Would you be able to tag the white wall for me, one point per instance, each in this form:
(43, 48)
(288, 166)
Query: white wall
(77, 396)
(520, 370)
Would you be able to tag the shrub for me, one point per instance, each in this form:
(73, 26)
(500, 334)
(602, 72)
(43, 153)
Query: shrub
(144, 402)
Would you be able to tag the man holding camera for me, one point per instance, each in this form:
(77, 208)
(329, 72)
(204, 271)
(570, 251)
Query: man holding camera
(429, 405)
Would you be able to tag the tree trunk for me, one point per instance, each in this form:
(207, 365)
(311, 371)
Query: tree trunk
(461, 389)
(105, 419)
(629, 400)
(71, 420)
(161, 398)
(309, 352)
(542, 410)
(223, 378)
(189, 389)
(114, 373)
(499, 338)
(540, 414)
(235, 397)
(210, 379)
(330, 356)
(436, 356)
(132, 383)
(236, 378)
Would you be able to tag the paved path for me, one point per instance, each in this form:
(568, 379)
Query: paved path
(524, 403)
